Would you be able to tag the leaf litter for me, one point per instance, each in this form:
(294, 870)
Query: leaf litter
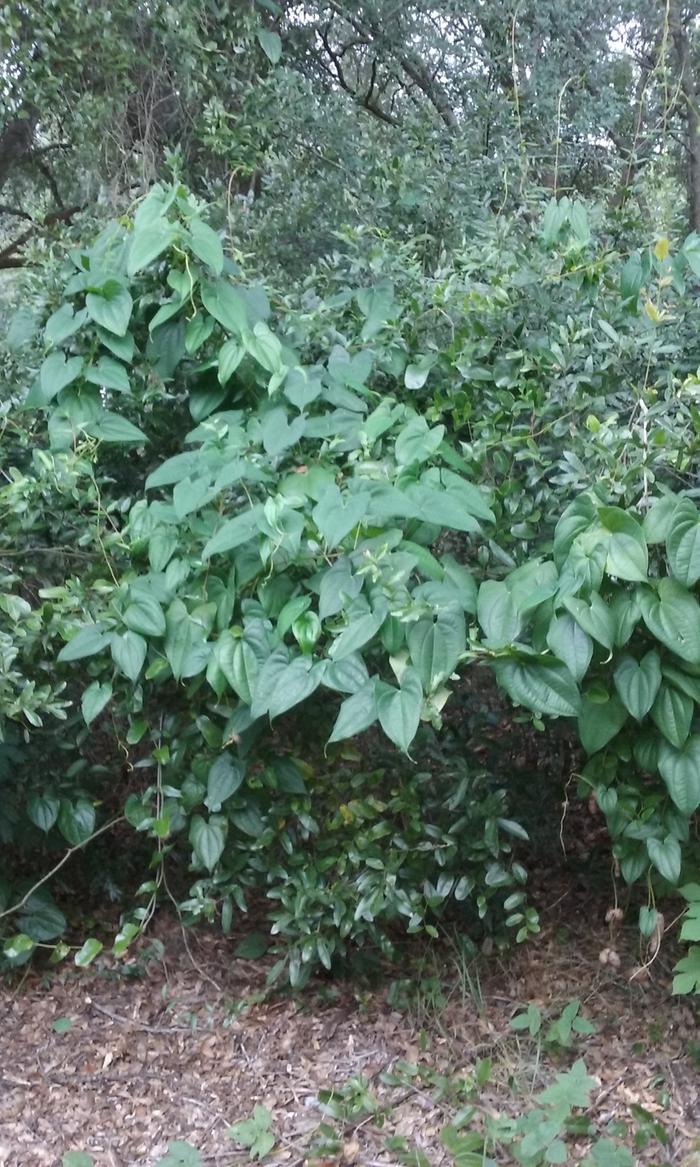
(121, 1060)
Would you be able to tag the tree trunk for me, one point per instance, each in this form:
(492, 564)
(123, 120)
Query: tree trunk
(16, 141)
(686, 83)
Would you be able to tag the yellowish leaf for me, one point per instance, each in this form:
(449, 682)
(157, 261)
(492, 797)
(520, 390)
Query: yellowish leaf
(662, 249)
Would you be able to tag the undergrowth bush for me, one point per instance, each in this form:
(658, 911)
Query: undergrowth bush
(263, 500)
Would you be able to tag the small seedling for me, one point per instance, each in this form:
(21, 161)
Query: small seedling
(466, 1148)
(180, 1154)
(254, 1133)
(327, 1144)
(406, 1154)
(350, 1102)
(605, 1153)
(560, 1032)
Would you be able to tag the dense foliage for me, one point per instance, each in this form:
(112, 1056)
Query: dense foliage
(283, 468)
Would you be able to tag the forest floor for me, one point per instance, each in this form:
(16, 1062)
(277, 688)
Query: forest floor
(183, 1041)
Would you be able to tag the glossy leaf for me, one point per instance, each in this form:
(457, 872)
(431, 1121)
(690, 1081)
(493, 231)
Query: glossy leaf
(683, 543)
(637, 683)
(666, 857)
(672, 713)
(357, 713)
(568, 641)
(208, 837)
(435, 647)
(599, 722)
(128, 653)
(680, 770)
(399, 711)
(94, 699)
(111, 308)
(549, 689)
(225, 778)
(672, 615)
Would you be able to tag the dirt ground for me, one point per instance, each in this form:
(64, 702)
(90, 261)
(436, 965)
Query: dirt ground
(120, 1060)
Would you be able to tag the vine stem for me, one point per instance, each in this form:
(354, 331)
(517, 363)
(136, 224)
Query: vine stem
(71, 851)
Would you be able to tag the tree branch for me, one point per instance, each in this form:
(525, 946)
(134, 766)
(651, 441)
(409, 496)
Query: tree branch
(15, 212)
(8, 255)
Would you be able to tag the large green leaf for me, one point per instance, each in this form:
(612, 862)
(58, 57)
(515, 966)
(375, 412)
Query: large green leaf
(239, 663)
(436, 646)
(626, 614)
(577, 518)
(628, 557)
(657, 521)
(346, 675)
(170, 308)
(109, 374)
(683, 543)
(76, 821)
(94, 700)
(599, 722)
(543, 688)
(497, 614)
(190, 494)
(89, 640)
(234, 532)
(672, 615)
(87, 952)
(55, 374)
(570, 644)
(199, 328)
(637, 683)
(417, 442)
(446, 508)
(461, 581)
(270, 43)
(359, 632)
(672, 713)
(62, 323)
(338, 588)
(278, 433)
(682, 680)
(301, 387)
(336, 515)
(532, 585)
(417, 372)
(42, 810)
(595, 618)
(148, 241)
(264, 347)
(208, 837)
(41, 919)
(680, 770)
(666, 857)
(185, 642)
(399, 711)
(128, 653)
(230, 356)
(631, 278)
(283, 683)
(357, 712)
(226, 304)
(162, 545)
(145, 615)
(111, 427)
(206, 245)
(225, 777)
(110, 308)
